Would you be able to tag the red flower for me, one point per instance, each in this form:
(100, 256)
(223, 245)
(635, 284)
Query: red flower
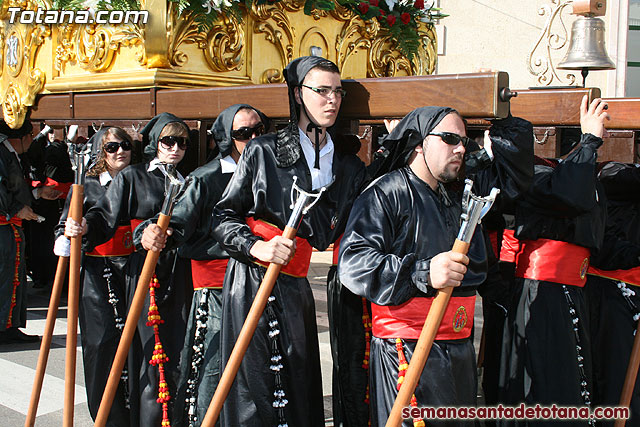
(373, 3)
(381, 16)
(419, 4)
(391, 19)
(405, 18)
(363, 7)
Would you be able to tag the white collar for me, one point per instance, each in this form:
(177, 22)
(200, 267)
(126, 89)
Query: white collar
(105, 178)
(157, 164)
(326, 149)
(228, 165)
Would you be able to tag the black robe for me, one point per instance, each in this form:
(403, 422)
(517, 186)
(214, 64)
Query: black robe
(260, 188)
(614, 305)
(138, 194)
(542, 348)
(14, 195)
(102, 312)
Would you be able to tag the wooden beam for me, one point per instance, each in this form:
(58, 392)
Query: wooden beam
(551, 107)
(624, 113)
(475, 95)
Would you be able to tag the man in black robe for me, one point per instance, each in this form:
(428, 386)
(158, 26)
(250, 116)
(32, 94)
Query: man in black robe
(279, 380)
(16, 199)
(136, 194)
(559, 222)
(191, 223)
(396, 250)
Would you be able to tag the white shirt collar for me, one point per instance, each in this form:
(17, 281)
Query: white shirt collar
(228, 165)
(326, 149)
(157, 164)
(324, 175)
(105, 178)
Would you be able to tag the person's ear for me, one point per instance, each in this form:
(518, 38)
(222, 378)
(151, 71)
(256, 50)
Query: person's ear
(296, 93)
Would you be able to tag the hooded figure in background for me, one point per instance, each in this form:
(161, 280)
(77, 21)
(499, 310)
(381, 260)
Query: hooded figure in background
(102, 309)
(191, 222)
(395, 251)
(136, 194)
(279, 381)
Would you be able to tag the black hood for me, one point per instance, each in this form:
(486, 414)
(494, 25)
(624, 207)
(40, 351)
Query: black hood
(222, 127)
(151, 133)
(23, 130)
(396, 148)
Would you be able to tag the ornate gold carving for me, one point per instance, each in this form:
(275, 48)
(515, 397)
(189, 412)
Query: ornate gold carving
(282, 35)
(225, 46)
(182, 31)
(272, 75)
(94, 46)
(353, 28)
(553, 37)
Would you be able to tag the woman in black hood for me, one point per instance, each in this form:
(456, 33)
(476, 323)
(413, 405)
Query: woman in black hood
(137, 194)
(279, 381)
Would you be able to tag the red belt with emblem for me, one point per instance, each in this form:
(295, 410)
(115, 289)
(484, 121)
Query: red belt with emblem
(299, 264)
(121, 244)
(14, 220)
(630, 276)
(510, 246)
(406, 320)
(208, 273)
(553, 261)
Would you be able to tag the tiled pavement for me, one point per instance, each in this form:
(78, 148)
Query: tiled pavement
(18, 361)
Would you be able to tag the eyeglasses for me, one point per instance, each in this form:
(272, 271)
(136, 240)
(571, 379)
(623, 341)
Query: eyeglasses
(325, 91)
(113, 146)
(245, 133)
(450, 138)
(170, 140)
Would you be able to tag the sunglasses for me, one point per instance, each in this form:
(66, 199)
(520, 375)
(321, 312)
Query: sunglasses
(452, 138)
(169, 141)
(245, 133)
(112, 146)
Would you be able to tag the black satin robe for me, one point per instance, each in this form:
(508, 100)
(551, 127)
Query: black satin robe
(261, 189)
(611, 311)
(539, 361)
(396, 226)
(97, 315)
(138, 194)
(14, 195)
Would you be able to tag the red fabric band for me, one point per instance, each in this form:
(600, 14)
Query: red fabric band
(14, 220)
(553, 261)
(406, 320)
(208, 273)
(336, 250)
(121, 244)
(299, 264)
(510, 246)
(630, 276)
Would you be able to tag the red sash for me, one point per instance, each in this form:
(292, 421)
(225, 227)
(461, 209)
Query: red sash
(336, 251)
(493, 237)
(406, 320)
(299, 264)
(121, 244)
(14, 220)
(630, 276)
(510, 246)
(209, 273)
(134, 223)
(553, 261)
(63, 187)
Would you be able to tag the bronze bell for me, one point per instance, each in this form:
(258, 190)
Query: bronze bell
(587, 49)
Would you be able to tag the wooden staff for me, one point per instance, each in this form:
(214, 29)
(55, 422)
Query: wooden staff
(133, 316)
(476, 208)
(45, 345)
(304, 202)
(630, 379)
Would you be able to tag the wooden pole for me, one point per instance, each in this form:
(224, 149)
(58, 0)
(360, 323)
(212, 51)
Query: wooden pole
(423, 347)
(246, 333)
(630, 379)
(77, 198)
(45, 345)
(129, 330)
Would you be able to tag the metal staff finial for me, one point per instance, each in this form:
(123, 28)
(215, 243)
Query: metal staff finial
(474, 208)
(302, 201)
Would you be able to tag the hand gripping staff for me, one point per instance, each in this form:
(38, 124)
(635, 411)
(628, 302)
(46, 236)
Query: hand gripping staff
(79, 159)
(133, 316)
(303, 203)
(473, 209)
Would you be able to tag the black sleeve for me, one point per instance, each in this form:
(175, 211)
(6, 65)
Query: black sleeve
(621, 181)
